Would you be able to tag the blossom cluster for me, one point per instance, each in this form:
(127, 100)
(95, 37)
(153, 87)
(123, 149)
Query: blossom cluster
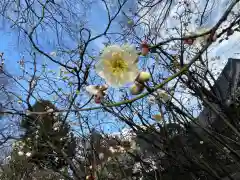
(118, 66)
(20, 146)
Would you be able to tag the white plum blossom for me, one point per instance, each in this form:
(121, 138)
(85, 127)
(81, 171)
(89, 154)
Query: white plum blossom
(98, 92)
(28, 112)
(133, 145)
(20, 153)
(57, 125)
(53, 53)
(143, 127)
(14, 144)
(159, 94)
(137, 167)
(50, 110)
(151, 99)
(121, 149)
(8, 158)
(33, 83)
(91, 89)
(226, 150)
(94, 89)
(163, 95)
(117, 65)
(111, 149)
(28, 154)
(101, 156)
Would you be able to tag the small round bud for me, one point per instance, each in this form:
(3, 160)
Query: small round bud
(145, 51)
(136, 89)
(130, 23)
(157, 117)
(145, 48)
(188, 41)
(98, 97)
(143, 77)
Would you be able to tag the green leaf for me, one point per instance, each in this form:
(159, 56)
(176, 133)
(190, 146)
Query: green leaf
(65, 78)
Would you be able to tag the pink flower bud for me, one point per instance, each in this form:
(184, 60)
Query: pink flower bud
(97, 99)
(145, 48)
(188, 41)
(145, 51)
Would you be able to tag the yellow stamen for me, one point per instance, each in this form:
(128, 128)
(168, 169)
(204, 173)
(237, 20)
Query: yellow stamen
(117, 64)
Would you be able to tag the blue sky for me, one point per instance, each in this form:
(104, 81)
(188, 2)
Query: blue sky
(97, 22)
(14, 50)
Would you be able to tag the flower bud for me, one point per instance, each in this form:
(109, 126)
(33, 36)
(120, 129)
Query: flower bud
(97, 99)
(136, 89)
(145, 51)
(143, 77)
(151, 99)
(145, 48)
(163, 96)
(144, 44)
(157, 117)
(130, 23)
(101, 156)
(188, 41)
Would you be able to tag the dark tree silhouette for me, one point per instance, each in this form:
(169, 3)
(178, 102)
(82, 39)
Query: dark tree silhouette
(48, 137)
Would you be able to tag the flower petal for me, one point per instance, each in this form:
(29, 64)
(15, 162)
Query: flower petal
(91, 89)
(107, 51)
(151, 99)
(120, 69)
(130, 57)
